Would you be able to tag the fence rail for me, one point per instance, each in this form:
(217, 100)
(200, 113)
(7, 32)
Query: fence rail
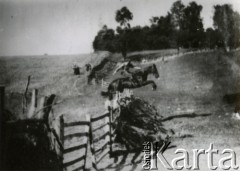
(75, 143)
(70, 140)
(106, 135)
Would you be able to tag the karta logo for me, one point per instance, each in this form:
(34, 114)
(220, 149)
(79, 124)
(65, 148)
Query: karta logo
(152, 154)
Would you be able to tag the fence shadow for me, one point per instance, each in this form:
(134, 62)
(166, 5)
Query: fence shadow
(191, 115)
(136, 159)
(124, 154)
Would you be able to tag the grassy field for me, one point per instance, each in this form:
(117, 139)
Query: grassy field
(54, 75)
(51, 75)
(197, 83)
(188, 83)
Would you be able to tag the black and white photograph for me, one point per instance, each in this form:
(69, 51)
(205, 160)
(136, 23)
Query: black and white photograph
(119, 85)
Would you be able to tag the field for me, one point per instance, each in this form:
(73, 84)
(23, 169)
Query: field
(188, 83)
(50, 75)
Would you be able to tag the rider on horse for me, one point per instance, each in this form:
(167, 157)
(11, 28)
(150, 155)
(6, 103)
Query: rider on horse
(129, 70)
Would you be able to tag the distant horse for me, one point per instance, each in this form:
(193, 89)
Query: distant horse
(95, 70)
(139, 79)
(88, 67)
(91, 76)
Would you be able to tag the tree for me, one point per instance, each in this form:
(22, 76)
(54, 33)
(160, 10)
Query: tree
(177, 11)
(154, 20)
(105, 40)
(181, 27)
(135, 39)
(165, 25)
(193, 25)
(223, 21)
(235, 31)
(213, 38)
(161, 33)
(177, 14)
(123, 16)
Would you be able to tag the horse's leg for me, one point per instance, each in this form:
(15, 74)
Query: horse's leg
(154, 86)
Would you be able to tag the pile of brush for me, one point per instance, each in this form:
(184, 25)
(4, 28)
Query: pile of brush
(140, 122)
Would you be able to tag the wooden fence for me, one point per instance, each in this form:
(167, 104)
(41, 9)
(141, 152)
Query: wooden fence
(96, 131)
(107, 136)
(71, 140)
(75, 143)
(94, 136)
(99, 132)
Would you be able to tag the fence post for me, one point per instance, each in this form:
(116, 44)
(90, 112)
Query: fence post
(33, 104)
(107, 129)
(61, 137)
(94, 163)
(2, 119)
(41, 108)
(110, 130)
(24, 99)
(87, 129)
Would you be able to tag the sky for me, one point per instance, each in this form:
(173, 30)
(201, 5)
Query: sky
(58, 27)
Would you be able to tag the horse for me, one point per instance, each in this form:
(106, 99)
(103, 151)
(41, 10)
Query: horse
(139, 79)
(91, 76)
(88, 67)
(95, 70)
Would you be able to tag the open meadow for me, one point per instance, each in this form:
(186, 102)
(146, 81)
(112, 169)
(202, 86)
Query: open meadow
(190, 83)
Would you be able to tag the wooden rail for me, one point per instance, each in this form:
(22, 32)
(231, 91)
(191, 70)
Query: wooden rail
(70, 140)
(75, 139)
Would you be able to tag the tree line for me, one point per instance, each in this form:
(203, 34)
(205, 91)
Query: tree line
(181, 27)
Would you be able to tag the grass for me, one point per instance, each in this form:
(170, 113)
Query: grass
(51, 75)
(209, 73)
(197, 83)
(193, 82)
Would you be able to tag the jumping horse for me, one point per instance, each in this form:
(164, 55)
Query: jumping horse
(139, 79)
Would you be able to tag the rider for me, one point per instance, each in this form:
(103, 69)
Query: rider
(130, 71)
(127, 68)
